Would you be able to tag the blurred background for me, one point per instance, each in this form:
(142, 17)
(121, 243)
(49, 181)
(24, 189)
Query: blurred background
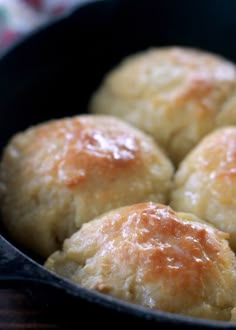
(18, 17)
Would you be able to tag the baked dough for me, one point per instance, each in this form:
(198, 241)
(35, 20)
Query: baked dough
(60, 174)
(205, 183)
(147, 254)
(175, 94)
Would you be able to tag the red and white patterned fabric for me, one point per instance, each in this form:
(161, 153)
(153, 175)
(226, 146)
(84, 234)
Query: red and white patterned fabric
(18, 17)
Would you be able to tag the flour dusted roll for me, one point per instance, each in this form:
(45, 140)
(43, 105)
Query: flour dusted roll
(60, 174)
(205, 183)
(150, 255)
(173, 93)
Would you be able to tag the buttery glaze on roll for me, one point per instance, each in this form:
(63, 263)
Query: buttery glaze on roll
(175, 94)
(60, 174)
(205, 183)
(147, 254)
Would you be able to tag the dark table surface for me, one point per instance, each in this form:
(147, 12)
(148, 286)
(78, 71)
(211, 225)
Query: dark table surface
(23, 307)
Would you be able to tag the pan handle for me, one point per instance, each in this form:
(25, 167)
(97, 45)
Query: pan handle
(15, 265)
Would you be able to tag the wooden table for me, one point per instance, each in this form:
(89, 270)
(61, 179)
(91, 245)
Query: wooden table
(23, 307)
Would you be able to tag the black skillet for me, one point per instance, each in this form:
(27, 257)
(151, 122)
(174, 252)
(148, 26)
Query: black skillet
(53, 72)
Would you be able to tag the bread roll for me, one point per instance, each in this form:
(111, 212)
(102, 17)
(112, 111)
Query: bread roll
(205, 183)
(147, 254)
(175, 94)
(60, 174)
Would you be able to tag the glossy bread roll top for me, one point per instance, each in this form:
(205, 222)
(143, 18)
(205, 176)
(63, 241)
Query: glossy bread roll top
(176, 94)
(60, 174)
(147, 254)
(205, 183)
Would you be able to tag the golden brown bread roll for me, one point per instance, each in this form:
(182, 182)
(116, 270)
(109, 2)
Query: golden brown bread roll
(147, 254)
(175, 94)
(60, 174)
(227, 115)
(205, 183)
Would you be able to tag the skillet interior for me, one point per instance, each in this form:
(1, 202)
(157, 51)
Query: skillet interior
(53, 72)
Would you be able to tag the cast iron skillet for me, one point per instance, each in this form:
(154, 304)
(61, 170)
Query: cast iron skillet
(52, 73)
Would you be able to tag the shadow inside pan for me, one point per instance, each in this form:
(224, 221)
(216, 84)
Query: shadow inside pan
(53, 72)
